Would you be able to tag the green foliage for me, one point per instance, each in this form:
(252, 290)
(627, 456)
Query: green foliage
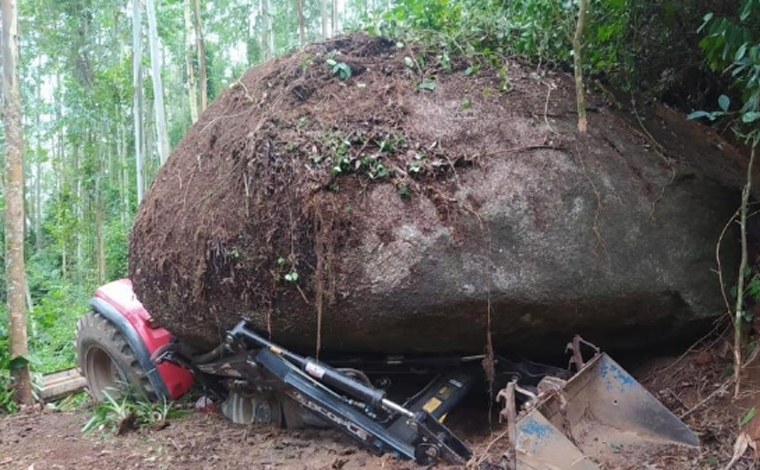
(286, 269)
(340, 69)
(361, 154)
(111, 415)
(427, 85)
(152, 413)
(53, 326)
(117, 249)
(73, 402)
(108, 415)
(537, 29)
(7, 405)
(57, 305)
(753, 289)
(747, 417)
(732, 45)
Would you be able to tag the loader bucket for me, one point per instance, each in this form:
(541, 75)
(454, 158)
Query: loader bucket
(601, 418)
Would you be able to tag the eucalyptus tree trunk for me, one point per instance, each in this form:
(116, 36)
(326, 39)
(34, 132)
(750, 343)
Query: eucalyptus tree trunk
(335, 26)
(189, 45)
(37, 180)
(251, 37)
(14, 202)
(60, 173)
(137, 104)
(162, 136)
(147, 144)
(78, 211)
(2, 33)
(264, 29)
(150, 145)
(100, 257)
(301, 31)
(123, 173)
(201, 44)
(267, 39)
(325, 19)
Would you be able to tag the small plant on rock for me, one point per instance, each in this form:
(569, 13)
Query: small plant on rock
(341, 69)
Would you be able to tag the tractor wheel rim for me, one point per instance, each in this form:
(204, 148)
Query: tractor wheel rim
(103, 374)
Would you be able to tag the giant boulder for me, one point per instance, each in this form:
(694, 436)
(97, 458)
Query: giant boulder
(410, 210)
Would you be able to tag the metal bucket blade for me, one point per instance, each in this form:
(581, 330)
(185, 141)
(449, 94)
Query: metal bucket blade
(541, 446)
(609, 415)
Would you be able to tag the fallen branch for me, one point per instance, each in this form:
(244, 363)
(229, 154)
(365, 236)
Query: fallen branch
(743, 442)
(716, 392)
(691, 349)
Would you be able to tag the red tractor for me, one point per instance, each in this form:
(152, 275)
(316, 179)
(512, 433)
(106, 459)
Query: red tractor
(122, 350)
(115, 345)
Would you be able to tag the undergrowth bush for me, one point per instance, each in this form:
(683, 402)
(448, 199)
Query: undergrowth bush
(119, 416)
(539, 30)
(7, 405)
(53, 327)
(645, 46)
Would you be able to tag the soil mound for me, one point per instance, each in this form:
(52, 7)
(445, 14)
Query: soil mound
(405, 207)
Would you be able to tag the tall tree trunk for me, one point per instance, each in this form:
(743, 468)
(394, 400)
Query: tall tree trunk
(267, 39)
(250, 50)
(335, 25)
(2, 51)
(14, 201)
(150, 152)
(60, 170)
(301, 31)
(325, 19)
(189, 46)
(137, 105)
(147, 145)
(162, 136)
(100, 257)
(201, 44)
(264, 8)
(124, 174)
(79, 210)
(37, 180)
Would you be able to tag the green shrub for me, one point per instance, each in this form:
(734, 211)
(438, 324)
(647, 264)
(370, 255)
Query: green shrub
(113, 416)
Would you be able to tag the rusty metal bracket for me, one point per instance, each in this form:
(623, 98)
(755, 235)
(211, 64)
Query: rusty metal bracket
(509, 414)
(574, 348)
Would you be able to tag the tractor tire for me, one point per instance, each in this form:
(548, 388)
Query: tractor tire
(107, 361)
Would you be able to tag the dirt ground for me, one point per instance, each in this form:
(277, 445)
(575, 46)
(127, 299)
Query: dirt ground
(53, 440)
(690, 384)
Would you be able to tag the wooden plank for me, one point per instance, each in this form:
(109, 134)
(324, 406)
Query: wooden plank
(60, 384)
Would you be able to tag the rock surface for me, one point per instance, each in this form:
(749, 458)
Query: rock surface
(478, 193)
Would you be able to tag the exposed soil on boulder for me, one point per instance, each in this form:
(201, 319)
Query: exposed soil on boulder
(417, 204)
